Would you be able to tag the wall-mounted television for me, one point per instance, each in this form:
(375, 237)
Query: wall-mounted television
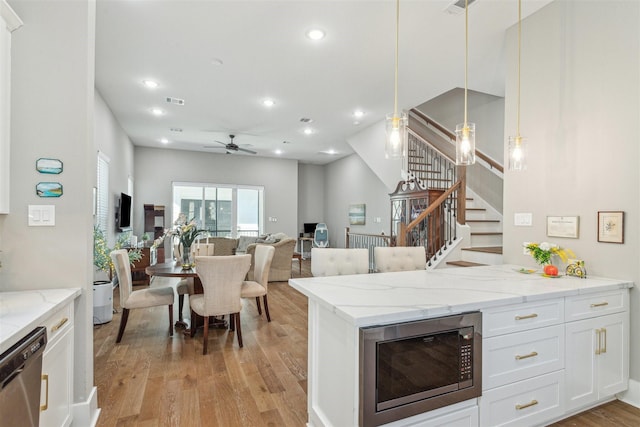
(123, 216)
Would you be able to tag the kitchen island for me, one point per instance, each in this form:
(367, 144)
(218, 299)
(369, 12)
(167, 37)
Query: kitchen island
(565, 309)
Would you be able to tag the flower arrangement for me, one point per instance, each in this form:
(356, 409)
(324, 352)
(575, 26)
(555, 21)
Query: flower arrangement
(186, 231)
(101, 251)
(542, 252)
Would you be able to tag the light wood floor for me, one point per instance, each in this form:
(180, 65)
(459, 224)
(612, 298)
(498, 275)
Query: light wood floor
(151, 379)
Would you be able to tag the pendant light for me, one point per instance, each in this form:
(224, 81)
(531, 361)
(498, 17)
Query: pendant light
(517, 144)
(396, 124)
(466, 132)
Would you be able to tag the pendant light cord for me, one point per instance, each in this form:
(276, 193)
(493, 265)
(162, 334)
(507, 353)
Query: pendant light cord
(519, 49)
(466, 55)
(395, 96)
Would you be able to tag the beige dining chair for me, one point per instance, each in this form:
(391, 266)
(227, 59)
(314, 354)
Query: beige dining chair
(339, 261)
(185, 286)
(143, 298)
(221, 278)
(258, 287)
(400, 258)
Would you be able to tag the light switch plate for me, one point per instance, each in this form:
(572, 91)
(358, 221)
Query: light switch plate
(42, 215)
(523, 219)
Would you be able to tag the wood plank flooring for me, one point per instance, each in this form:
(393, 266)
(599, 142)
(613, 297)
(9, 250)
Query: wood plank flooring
(151, 379)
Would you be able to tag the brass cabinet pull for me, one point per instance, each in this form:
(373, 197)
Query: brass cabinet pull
(600, 304)
(528, 316)
(59, 324)
(526, 356)
(526, 405)
(597, 341)
(604, 340)
(45, 378)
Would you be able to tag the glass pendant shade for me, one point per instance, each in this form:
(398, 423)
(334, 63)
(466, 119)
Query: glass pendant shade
(465, 144)
(396, 130)
(517, 153)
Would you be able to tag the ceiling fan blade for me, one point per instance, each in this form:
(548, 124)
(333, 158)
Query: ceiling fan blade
(221, 143)
(246, 151)
(214, 148)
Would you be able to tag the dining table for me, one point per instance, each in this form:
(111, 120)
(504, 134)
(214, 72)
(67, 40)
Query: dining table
(174, 269)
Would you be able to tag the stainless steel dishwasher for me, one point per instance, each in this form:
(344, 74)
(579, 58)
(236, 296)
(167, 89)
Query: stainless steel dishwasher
(20, 378)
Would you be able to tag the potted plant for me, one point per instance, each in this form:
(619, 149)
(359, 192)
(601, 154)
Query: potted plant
(101, 251)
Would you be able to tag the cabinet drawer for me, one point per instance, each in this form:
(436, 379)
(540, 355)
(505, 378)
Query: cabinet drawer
(598, 304)
(522, 317)
(525, 403)
(58, 323)
(514, 357)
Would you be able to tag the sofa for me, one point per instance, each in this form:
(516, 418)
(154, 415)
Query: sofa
(281, 265)
(222, 245)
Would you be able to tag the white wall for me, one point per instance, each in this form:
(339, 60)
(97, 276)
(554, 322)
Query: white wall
(581, 115)
(52, 116)
(310, 194)
(351, 181)
(157, 169)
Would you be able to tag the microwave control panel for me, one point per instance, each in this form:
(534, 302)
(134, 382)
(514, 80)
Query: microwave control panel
(466, 354)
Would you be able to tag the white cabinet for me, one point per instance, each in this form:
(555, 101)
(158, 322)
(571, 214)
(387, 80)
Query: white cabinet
(57, 370)
(598, 355)
(9, 22)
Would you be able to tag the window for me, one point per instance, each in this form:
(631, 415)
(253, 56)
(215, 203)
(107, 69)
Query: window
(223, 210)
(102, 193)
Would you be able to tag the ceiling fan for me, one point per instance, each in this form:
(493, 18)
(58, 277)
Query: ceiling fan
(231, 147)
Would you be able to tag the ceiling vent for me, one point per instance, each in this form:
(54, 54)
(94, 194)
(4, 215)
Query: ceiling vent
(176, 101)
(458, 7)
(306, 120)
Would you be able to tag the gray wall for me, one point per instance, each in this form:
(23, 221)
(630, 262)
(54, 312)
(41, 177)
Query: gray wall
(351, 181)
(157, 169)
(111, 140)
(580, 113)
(52, 116)
(310, 194)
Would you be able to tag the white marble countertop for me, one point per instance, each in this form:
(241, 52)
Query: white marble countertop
(370, 299)
(22, 311)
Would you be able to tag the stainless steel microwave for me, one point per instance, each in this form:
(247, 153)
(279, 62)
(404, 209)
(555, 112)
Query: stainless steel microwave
(414, 367)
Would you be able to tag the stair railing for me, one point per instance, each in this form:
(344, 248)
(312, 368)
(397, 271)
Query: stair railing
(368, 241)
(435, 227)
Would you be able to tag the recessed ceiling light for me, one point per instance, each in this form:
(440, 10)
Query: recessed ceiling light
(308, 131)
(150, 84)
(356, 123)
(315, 34)
(278, 152)
(164, 140)
(268, 102)
(358, 113)
(157, 111)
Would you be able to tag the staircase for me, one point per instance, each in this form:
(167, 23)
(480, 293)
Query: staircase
(485, 246)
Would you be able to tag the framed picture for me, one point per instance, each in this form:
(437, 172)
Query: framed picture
(49, 166)
(611, 226)
(357, 214)
(49, 189)
(563, 226)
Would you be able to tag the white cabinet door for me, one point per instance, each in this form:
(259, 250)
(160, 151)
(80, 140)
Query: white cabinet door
(612, 362)
(597, 359)
(57, 364)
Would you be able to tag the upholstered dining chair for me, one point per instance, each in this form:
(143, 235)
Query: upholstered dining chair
(257, 287)
(400, 258)
(185, 286)
(339, 261)
(221, 278)
(143, 298)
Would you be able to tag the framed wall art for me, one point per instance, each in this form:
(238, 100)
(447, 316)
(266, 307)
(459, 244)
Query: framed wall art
(49, 166)
(49, 189)
(611, 226)
(357, 214)
(563, 226)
